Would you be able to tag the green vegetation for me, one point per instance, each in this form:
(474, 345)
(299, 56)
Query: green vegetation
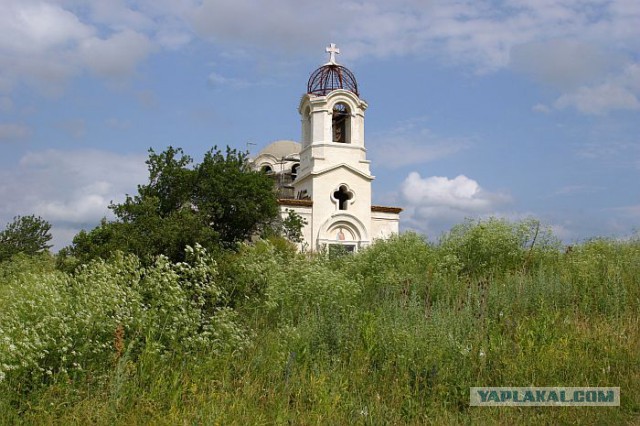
(216, 203)
(25, 234)
(395, 334)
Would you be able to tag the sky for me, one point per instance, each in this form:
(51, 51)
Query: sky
(477, 108)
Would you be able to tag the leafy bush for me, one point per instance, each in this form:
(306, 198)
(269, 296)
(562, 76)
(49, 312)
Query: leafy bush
(52, 322)
(496, 246)
(394, 267)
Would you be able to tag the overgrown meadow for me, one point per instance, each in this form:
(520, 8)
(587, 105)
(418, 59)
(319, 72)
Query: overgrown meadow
(395, 334)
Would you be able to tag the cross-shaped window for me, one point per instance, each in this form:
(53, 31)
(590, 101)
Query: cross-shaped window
(343, 195)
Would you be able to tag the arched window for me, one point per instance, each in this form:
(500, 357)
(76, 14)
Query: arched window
(267, 169)
(341, 123)
(306, 125)
(294, 171)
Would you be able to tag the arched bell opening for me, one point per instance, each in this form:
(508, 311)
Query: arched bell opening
(306, 126)
(341, 123)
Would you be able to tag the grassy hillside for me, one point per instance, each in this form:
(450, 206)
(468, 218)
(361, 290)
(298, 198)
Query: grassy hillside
(395, 334)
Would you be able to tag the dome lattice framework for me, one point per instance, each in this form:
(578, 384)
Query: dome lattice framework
(331, 77)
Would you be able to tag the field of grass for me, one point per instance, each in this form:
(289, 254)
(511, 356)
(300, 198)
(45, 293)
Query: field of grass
(395, 334)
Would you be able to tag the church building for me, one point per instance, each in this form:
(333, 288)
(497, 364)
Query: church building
(326, 178)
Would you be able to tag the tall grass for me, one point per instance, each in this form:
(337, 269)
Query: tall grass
(395, 334)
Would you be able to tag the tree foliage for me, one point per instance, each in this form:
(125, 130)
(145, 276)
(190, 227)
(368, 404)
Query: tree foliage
(292, 226)
(493, 245)
(25, 234)
(216, 203)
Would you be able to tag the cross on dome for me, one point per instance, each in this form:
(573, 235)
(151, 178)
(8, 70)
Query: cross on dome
(332, 50)
(331, 76)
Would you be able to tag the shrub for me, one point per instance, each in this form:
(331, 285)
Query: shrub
(398, 266)
(496, 246)
(52, 322)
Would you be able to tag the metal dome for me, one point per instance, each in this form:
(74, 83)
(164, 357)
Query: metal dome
(331, 77)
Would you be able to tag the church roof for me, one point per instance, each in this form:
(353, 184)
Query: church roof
(281, 149)
(295, 202)
(386, 209)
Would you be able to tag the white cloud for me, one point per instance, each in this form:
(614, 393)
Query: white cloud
(436, 203)
(411, 143)
(173, 40)
(13, 131)
(66, 37)
(599, 99)
(218, 80)
(476, 32)
(459, 193)
(541, 108)
(577, 47)
(119, 16)
(30, 27)
(37, 41)
(281, 25)
(71, 189)
(565, 63)
(116, 56)
(618, 92)
(44, 43)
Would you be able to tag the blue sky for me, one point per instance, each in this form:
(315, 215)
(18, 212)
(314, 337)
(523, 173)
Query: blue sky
(512, 108)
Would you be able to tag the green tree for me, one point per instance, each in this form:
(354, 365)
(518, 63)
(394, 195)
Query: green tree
(236, 201)
(216, 203)
(25, 234)
(292, 226)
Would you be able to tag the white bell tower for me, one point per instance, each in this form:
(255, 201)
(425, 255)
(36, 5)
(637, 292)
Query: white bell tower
(334, 171)
(326, 178)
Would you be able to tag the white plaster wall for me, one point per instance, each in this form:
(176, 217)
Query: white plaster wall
(324, 185)
(383, 225)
